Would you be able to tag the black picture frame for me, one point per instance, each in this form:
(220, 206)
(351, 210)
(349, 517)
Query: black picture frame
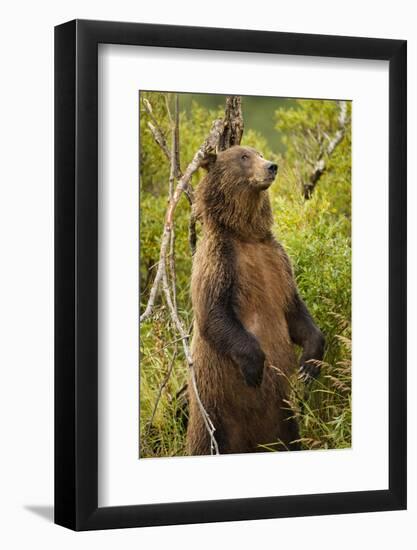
(76, 272)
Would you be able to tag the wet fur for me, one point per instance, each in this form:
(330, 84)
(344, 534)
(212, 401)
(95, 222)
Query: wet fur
(247, 314)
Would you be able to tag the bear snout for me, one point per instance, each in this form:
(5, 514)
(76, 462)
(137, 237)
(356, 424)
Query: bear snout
(273, 169)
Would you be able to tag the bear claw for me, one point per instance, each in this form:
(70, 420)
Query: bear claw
(307, 373)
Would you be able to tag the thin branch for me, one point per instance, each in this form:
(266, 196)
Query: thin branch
(174, 168)
(325, 152)
(161, 349)
(176, 141)
(214, 448)
(337, 138)
(189, 193)
(172, 269)
(182, 391)
(174, 158)
(155, 128)
(168, 108)
(161, 389)
(160, 139)
(153, 292)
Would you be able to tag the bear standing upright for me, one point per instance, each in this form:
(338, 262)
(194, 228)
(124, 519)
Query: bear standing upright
(248, 313)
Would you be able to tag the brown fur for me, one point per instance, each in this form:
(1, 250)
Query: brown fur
(242, 289)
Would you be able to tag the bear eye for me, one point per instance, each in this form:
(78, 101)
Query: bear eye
(245, 157)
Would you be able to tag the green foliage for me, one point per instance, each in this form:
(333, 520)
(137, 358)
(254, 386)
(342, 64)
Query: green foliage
(304, 131)
(317, 236)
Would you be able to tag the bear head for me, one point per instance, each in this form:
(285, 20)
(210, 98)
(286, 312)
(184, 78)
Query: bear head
(242, 166)
(233, 195)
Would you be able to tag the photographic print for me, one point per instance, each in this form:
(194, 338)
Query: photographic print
(245, 274)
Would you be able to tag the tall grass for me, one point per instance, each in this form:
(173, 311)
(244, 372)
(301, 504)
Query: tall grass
(322, 408)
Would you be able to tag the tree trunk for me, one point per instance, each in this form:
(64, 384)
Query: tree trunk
(233, 123)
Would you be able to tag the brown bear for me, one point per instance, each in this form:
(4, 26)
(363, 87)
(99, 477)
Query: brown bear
(248, 313)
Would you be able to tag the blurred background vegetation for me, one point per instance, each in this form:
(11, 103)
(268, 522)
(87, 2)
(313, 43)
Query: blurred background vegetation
(315, 232)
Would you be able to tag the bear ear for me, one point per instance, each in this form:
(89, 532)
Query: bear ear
(209, 161)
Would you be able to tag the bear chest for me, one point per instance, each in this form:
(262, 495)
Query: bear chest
(264, 286)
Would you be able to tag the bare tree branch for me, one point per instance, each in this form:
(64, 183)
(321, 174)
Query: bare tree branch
(337, 138)
(320, 165)
(153, 292)
(155, 128)
(214, 448)
(176, 140)
(174, 169)
(172, 269)
(161, 349)
(161, 389)
(159, 137)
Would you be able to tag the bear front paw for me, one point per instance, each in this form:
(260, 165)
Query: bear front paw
(250, 358)
(253, 369)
